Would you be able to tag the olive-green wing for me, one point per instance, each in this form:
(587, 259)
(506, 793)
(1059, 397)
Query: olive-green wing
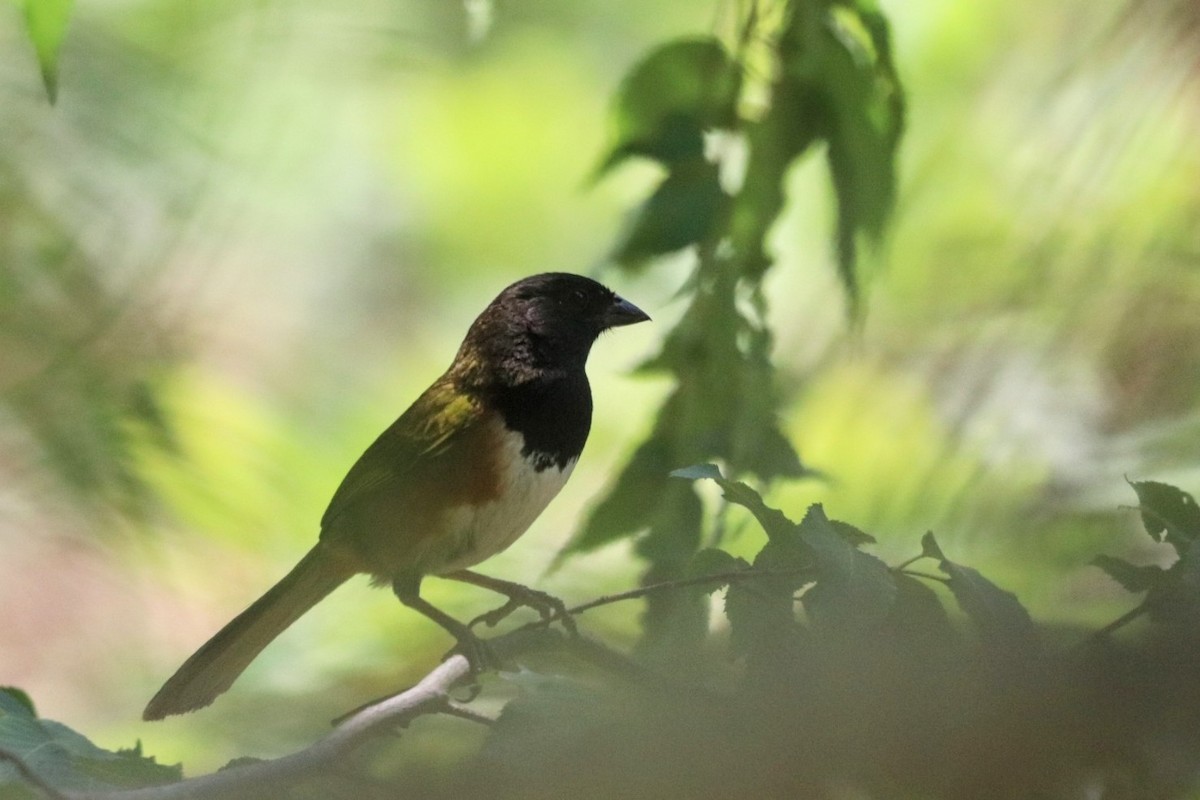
(421, 433)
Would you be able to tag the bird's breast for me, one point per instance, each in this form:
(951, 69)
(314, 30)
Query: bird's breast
(525, 482)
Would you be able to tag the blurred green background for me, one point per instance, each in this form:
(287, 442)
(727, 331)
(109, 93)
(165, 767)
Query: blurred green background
(248, 234)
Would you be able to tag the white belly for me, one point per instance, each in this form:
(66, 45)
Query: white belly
(475, 533)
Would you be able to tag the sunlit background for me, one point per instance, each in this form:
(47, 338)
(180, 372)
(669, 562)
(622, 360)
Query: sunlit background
(248, 234)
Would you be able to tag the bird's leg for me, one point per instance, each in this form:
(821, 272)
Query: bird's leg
(547, 605)
(478, 652)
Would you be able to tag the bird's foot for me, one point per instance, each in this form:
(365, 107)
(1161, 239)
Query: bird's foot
(478, 651)
(548, 607)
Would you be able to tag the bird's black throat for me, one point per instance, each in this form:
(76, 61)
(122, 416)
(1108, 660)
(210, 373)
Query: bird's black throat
(552, 414)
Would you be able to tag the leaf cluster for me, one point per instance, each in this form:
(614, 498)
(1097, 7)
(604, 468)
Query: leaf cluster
(856, 679)
(818, 72)
(1169, 515)
(841, 676)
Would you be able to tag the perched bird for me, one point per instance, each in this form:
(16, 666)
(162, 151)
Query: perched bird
(457, 478)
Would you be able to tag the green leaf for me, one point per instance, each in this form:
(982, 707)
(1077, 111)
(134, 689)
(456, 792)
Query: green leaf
(773, 521)
(674, 533)
(930, 548)
(1168, 513)
(10, 694)
(760, 614)
(854, 590)
(998, 614)
(785, 132)
(1176, 597)
(1132, 577)
(46, 23)
(685, 209)
(68, 760)
(837, 83)
(714, 561)
(675, 624)
(669, 98)
(917, 615)
(855, 536)
(631, 503)
(698, 472)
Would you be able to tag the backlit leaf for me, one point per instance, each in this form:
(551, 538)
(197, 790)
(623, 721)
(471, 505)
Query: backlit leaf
(853, 590)
(684, 210)
(997, 613)
(670, 98)
(1168, 513)
(1132, 577)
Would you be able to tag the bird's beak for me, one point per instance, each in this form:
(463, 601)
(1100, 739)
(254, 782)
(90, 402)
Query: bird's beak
(623, 312)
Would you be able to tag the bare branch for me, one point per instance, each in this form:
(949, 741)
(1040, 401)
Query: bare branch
(430, 695)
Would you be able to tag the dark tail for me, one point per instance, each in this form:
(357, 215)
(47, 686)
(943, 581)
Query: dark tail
(213, 668)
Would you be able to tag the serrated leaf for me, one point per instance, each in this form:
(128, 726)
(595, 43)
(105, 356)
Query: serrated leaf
(68, 760)
(930, 548)
(854, 535)
(853, 590)
(1168, 513)
(46, 24)
(997, 613)
(668, 99)
(1132, 577)
(838, 83)
(773, 521)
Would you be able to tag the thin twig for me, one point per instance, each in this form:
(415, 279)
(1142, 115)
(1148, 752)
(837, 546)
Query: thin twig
(903, 565)
(29, 776)
(719, 578)
(1120, 622)
(929, 576)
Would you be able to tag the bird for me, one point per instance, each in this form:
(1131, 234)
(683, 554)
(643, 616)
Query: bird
(457, 478)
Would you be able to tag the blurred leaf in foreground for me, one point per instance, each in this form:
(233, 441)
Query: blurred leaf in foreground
(66, 759)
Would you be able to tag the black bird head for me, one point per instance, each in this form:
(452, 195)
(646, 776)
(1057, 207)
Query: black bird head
(545, 324)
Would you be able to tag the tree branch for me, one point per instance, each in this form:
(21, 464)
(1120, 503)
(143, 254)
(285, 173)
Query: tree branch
(428, 696)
